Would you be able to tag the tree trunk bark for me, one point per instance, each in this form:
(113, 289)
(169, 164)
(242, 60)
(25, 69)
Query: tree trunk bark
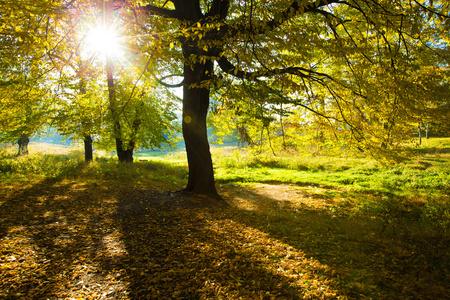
(283, 133)
(23, 142)
(419, 129)
(88, 151)
(195, 109)
(124, 155)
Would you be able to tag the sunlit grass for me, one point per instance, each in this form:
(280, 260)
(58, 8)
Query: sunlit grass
(350, 185)
(53, 162)
(424, 176)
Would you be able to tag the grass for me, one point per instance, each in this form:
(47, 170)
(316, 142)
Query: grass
(53, 162)
(297, 227)
(425, 175)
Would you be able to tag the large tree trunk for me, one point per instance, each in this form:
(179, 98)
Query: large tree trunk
(195, 109)
(88, 151)
(124, 155)
(197, 73)
(23, 142)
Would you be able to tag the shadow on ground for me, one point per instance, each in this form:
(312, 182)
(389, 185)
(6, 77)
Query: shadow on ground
(384, 257)
(52, 234)
(65, 239)
(433, 151)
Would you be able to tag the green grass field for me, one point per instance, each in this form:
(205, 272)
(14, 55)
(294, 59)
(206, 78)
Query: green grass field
(297, 227)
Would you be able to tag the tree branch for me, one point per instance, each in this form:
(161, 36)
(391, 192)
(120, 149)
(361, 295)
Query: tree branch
(161, 82)
(163, 12)
(431, 10)
(294, 9)
(229, 68)
(219, 8)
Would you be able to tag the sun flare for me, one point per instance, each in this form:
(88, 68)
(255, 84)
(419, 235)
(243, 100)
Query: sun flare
(104, 41)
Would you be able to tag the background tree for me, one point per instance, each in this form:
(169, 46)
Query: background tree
(81, 105)
(145, 113)
(70, 78)
(133, 109)
(26, 78)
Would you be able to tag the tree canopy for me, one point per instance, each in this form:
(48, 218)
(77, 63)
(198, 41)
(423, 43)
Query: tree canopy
(358, 64)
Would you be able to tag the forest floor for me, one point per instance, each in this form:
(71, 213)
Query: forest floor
(63, 239)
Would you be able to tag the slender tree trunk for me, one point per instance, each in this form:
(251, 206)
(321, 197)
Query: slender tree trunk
(270, 141)
(23, 142)
(87, 139)
(261, 140)
(88, 151)
(426, 131)
(385, 142)
(124, 154)
(419, 129)
(195, 109)
(283, 133)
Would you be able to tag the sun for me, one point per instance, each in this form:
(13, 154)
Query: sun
(104, 41)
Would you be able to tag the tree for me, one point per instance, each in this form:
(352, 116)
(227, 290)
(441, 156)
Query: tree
(80, 101)
(73, 80)
(351, 62)
(145, 115)
(25, 78)
(298, 47)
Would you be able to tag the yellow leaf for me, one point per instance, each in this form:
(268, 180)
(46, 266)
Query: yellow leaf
(171, 45)
(18, 29)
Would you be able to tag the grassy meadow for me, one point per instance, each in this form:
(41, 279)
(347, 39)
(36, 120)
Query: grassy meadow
(294, 227)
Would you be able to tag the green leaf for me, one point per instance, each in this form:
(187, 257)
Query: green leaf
(415, 29)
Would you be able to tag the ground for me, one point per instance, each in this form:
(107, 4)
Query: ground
(71, 240)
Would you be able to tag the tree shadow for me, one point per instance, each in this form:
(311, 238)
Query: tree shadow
(66, 239)
(52, 238)
(179, 251)
(370, 256)
(433, 150)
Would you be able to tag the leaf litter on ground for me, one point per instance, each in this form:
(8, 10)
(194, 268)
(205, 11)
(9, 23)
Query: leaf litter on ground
(73, 240)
